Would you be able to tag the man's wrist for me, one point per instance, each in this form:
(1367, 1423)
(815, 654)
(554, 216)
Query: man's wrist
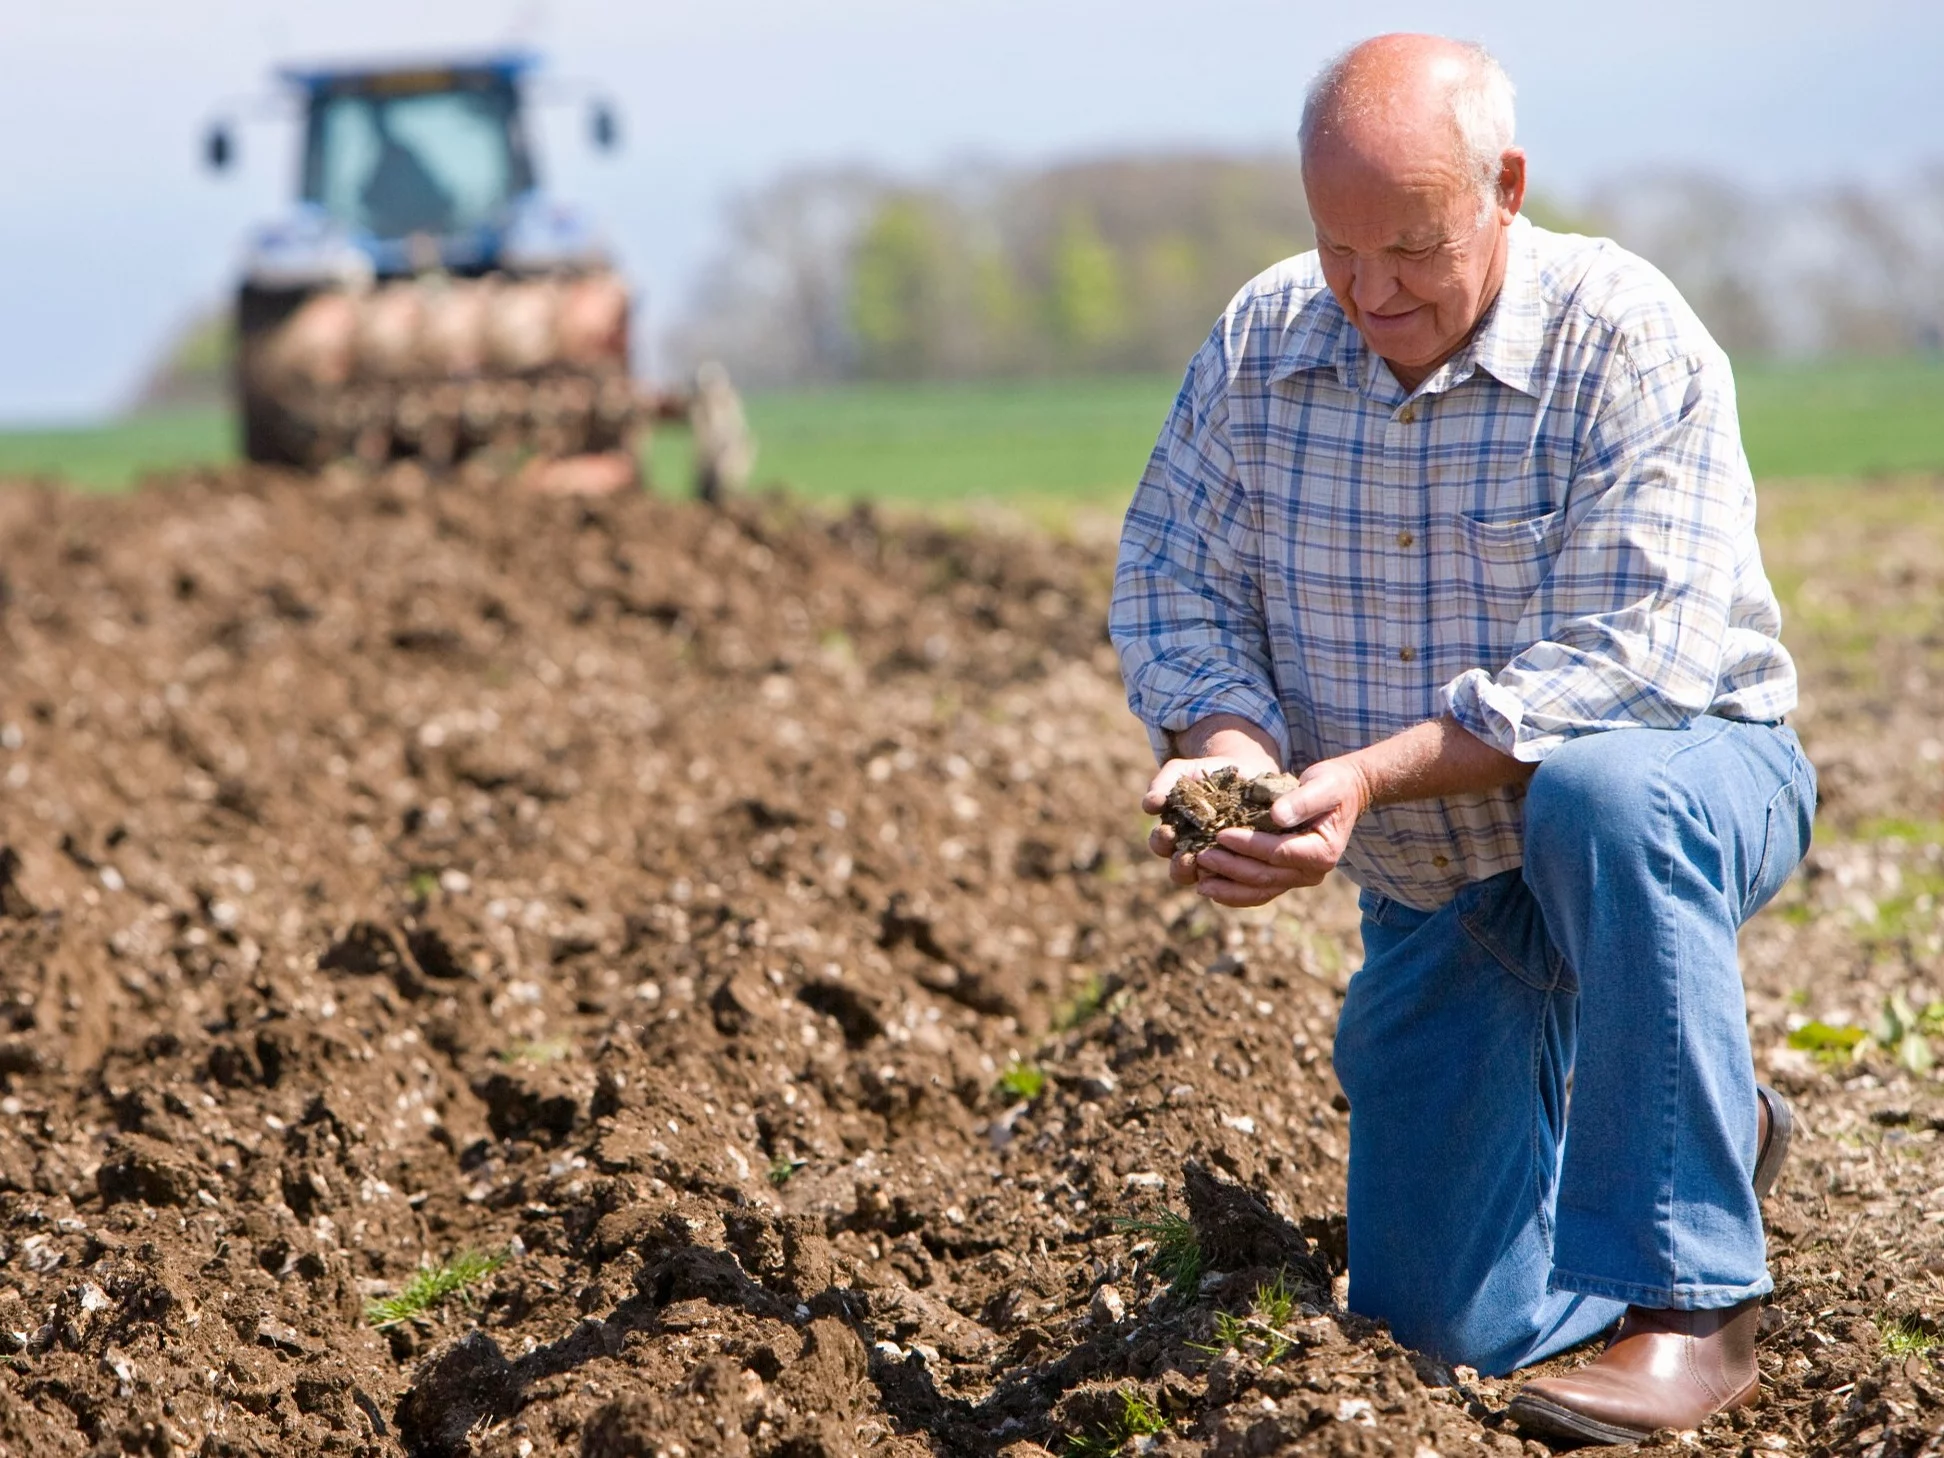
(1363, 773)
(1221, 736)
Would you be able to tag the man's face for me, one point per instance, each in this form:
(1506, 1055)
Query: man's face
(1406, 248)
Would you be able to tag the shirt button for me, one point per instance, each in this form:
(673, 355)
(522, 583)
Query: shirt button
(1404, 539)
(1441, 861)
(1407, 654)
(1407, 414)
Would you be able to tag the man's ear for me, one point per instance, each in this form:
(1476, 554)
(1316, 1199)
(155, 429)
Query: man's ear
(1511, 182)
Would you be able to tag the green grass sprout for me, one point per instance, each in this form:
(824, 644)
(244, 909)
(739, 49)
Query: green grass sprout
(1138, 1418)
(1177, 1257)
(1259, 1334)
(781, 1170)
(1909, 1336)
(1090, 998)
(1231, 1331)
(1022, 1081)
(431, 1285)
(1275, 1303)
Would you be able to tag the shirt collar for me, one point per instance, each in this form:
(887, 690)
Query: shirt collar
(1319, 335)
(1507, 344)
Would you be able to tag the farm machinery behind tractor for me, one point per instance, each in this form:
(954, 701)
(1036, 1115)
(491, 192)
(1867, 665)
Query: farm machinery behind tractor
(424, 298)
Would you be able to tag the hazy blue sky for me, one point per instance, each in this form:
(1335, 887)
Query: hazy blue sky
(110, 234)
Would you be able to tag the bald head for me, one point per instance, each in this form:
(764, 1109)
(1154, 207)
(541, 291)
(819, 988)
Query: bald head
(1413, 186)
(1397, 97)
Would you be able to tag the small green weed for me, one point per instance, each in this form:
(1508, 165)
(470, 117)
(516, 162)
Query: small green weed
(782, 1169)
(1906, 1031)
(433, 1284)
(1830, 1044)
(1177, 1257)
(539, 1050)
(1910, 1336)
(1231, 1331)
(424, 884)
(1138, 1418)
(1258, 1335)
(1082, 1005)
(1022, 1081)
(1900, 1030)
(1275, 1303)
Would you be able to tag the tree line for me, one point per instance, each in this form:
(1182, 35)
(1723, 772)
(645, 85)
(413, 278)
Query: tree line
(1113, 265)
(1122, 264)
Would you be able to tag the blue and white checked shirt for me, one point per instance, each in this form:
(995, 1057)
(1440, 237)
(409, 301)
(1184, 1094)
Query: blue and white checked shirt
(1554, 534)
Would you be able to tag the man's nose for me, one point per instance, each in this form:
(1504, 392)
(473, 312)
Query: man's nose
(1372, 283)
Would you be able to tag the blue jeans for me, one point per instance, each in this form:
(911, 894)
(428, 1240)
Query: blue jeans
(1485, 1225)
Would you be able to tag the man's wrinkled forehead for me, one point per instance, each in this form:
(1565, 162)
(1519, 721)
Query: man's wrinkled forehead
(1412, 201)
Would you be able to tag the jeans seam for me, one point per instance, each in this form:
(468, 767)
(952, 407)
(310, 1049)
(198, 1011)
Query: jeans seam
(1542, 1179)
(1664, 1205)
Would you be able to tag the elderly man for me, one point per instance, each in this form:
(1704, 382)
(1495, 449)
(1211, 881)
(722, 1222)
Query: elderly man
(1452, 515)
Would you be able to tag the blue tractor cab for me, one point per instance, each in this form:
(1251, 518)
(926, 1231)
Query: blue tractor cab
(418, 167)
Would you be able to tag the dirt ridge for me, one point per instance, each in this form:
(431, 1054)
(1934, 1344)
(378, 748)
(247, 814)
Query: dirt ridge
(659, 896)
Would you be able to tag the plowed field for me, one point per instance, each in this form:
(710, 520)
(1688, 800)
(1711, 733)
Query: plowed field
(736, 926)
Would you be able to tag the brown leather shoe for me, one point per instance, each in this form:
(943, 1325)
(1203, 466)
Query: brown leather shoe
(1663, 1369)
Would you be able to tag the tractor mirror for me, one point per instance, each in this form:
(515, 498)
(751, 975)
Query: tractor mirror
(602, 126)
(218, 148)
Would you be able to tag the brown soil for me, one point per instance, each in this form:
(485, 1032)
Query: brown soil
(1202, 806)
(656, 896)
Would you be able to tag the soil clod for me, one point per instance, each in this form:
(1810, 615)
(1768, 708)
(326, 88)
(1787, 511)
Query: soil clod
(1200, 807)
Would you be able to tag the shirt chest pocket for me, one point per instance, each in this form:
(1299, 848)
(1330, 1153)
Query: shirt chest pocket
(1503, 562)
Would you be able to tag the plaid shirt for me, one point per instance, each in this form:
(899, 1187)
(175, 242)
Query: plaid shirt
(1554, 534)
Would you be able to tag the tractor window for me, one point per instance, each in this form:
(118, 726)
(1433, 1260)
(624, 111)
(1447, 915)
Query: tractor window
(437, 162)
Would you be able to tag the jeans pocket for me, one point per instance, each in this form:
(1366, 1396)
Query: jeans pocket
(1785, 839)
(1504, 921)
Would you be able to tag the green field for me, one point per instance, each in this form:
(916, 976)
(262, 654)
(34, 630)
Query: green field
(1075, 441)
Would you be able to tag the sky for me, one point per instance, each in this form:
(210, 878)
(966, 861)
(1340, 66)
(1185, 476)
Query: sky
(111, 235)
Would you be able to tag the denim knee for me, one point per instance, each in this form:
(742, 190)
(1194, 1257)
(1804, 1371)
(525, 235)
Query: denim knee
(1594, 790)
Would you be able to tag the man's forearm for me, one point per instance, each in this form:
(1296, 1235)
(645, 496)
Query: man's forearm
(1221, 735)
(1432, 760)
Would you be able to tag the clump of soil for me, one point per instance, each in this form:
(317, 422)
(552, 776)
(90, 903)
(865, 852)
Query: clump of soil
(655, 897)
(1200, 807)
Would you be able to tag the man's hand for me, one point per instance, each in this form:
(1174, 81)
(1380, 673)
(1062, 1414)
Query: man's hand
(1220, 740)
(1251, 867)
(1161, 838)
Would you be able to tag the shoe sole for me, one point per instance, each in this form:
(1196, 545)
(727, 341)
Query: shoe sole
(1769, 1158)
(1551, 1420)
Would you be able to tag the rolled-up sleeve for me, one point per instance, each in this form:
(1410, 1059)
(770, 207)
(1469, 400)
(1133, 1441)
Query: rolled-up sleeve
(1187, 615)
(1627, 624)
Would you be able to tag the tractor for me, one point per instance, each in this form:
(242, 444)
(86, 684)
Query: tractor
(425, 299)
